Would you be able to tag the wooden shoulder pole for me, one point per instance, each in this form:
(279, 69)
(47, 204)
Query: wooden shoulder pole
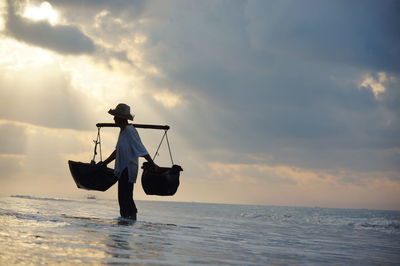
(166, 127)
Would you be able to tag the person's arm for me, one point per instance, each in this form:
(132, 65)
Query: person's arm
(148, 159)
(109, 159)
(140, 149)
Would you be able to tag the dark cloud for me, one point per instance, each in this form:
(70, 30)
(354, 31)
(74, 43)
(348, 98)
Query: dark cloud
(61, 38)
(360, 33)
(282, 79)
(64, 39)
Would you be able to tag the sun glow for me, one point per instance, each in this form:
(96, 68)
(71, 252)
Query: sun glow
(44, 12)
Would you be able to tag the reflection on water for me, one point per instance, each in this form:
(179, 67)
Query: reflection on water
(122, 240)
(37, 237)
(37, 231)
(118, 247)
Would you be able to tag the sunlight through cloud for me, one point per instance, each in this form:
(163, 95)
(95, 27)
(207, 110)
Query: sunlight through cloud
(15, 55)
(44, 12)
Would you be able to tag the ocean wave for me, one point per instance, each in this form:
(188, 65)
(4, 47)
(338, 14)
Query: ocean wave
(38, 198)
(266, 216)
(383, 224)
(38, 217)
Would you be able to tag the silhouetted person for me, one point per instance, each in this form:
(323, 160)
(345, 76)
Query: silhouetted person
(129, 148)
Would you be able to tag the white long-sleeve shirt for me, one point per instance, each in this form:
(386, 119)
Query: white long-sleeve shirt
(128, 150)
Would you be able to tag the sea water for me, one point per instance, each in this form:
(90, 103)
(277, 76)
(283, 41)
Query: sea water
(89, 231)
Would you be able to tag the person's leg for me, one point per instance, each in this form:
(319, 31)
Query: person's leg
(125, 197)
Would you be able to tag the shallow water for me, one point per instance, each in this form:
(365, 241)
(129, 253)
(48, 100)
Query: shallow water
(62, 231)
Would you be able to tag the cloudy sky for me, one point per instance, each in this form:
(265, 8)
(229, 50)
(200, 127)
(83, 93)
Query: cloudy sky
(269, 102)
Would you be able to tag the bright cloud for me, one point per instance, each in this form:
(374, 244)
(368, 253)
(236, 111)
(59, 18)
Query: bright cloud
(3, 13)
(375, 85)
(43, 12)
(167, 98)
(281, 184)
(255, 173)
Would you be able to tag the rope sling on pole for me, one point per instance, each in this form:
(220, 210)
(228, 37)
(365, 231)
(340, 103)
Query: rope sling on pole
(161, 181)
(97, 142)
(101, 156)
(169, 148)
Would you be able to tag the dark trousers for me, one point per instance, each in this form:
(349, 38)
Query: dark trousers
(127, 207)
